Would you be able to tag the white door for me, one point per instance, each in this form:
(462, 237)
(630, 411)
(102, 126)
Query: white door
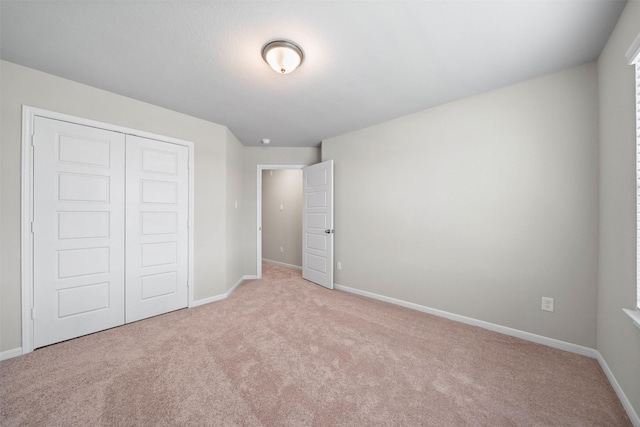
(78, 230)
(157, 229)
(317, 224)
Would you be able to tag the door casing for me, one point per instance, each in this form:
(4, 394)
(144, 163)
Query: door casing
(28, 118)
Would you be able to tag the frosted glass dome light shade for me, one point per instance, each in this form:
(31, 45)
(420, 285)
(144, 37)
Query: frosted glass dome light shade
(282, 56)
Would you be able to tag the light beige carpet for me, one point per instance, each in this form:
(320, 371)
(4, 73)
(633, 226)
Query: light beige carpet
(282, 351)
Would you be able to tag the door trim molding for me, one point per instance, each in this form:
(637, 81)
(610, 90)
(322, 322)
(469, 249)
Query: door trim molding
(259, 169)
(26, 239)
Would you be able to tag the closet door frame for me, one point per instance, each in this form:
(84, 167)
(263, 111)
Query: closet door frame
(28, 119)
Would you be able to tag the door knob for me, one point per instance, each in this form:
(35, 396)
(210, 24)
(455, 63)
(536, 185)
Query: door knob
(328, 231)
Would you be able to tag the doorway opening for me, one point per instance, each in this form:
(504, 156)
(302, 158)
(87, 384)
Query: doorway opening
(279, 247)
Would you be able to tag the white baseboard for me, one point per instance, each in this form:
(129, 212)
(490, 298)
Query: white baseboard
(270, 261)
(204, 301)
(8, 354)
(214, 298)
(626, 403)
(551, 342)
(528, 336)
(18, 351)
(235, 285)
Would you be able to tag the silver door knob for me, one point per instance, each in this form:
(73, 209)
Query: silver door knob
(328, 231)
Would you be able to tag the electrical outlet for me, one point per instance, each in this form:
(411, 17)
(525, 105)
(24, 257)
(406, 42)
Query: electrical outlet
(547, 304)
(339, 265)
(281, 249)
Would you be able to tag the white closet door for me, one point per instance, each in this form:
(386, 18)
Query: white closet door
(78, 227)
(157, 229)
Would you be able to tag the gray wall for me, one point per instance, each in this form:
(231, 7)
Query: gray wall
(282, 228)
(233, 225)
(252, 157)
(20, 85)
(618, 339)
(479, 207)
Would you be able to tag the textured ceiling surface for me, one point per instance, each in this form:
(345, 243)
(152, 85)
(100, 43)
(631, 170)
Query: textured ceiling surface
(365, 62)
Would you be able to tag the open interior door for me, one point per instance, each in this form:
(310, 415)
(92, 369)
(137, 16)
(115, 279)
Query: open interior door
(317, 224)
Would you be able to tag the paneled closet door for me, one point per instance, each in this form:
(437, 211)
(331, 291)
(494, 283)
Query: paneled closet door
(78, 230)
(156, 227)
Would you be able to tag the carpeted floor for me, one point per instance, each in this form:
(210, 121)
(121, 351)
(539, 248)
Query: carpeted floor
(282, 351)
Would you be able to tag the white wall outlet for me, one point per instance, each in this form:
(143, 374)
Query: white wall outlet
(281, 207)
(236, 204)
(547, 304)
(281, 249)
(339, 265)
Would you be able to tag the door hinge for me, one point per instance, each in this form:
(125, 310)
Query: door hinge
(32, 227)
(33, 314)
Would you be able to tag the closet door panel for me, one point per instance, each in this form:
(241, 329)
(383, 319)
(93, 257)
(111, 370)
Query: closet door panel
(78, 226)
(157, 230)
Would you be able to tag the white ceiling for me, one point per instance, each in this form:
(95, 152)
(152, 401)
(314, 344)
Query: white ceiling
(365, 62)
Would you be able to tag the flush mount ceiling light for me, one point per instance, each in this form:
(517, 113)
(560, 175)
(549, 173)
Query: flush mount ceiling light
(266, 141)
(283, 56)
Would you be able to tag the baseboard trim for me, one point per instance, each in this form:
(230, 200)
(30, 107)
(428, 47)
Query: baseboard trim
(551, 342)
(270, 261)
(9, 354)
(219, 297)
(528, 336)
(235, 285)
(626, 403)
